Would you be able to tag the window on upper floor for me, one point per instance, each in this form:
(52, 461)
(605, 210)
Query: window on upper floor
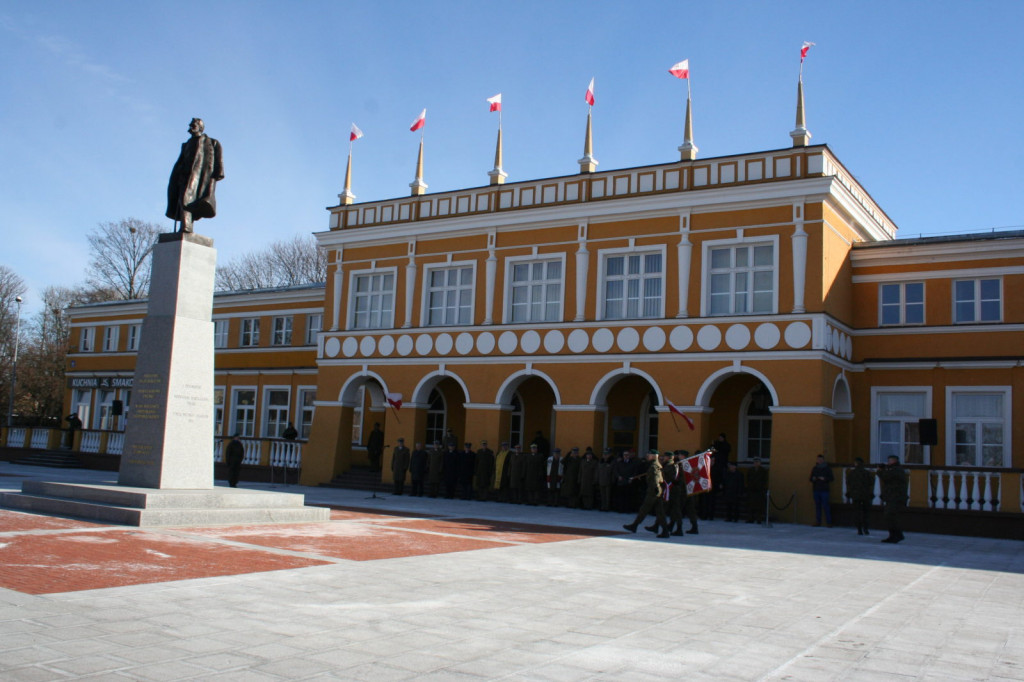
(86, 338)
(134, 336)
(633, 285)
(979, 418)
(534, 291)
(282, 332)
(977, 300)
(896, 413)
(740, 279)
(314, 325)
(901, 303)
(373, 300)
(110, 338)
(449, 296)
(250, 335)
(220, 333)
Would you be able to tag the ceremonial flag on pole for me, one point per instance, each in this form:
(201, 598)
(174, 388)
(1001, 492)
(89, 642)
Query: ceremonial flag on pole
(394, 400)
(803, 50)
(495, 102)
(697, 473)
(676, 410)
(355, 134)
(420, 121)
(590, 93)
(681, 70)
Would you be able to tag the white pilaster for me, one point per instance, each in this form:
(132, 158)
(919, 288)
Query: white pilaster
(799, 240)
(684, 253)
(582, 271)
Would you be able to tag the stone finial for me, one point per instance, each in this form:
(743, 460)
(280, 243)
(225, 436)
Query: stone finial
(688, 150)
(801, 136)
(418, 186)
(497, 174)
(346, 195)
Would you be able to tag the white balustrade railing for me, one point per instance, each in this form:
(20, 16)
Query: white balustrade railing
(286, 454)
(252, 452)
(40, 439)
(115, 442)
(90, 441)
(964, 489)
(16, 437)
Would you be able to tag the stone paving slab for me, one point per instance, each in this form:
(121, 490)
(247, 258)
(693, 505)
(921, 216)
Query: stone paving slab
(737, 602)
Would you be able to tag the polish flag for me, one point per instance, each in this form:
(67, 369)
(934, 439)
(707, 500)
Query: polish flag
(675, 410)
(495, 102)
(394, 400)
(681, 70)
(697, 473)
(420, 121)
(355, 134)
(590, 93)
(803, 50)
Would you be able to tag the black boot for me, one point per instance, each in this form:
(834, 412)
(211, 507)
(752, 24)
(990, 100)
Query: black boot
(664, 534)
(631, 527)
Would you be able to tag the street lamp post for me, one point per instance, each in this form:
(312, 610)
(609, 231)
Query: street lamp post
(14, 366)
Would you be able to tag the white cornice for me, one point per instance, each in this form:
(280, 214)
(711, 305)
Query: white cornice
(945, 329)
(914, 275)
(920, 254)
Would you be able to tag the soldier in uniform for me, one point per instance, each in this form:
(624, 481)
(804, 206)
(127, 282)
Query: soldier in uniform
(570, 491)
(502, 473)
(375, 447)
(605, 479)
(894, 481)
(553, 476)
(435, 468)
(400, 457)
(484, 471)
(451, 471)
(533, 476)
(517, 476)
(652, 500)
(467, 466)
(418, 462)
(860, 488)
(588, 478)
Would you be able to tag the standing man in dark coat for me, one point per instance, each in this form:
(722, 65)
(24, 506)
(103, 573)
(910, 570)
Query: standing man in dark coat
(467, 466)
(860, 487)
(375, 447)
(450, 467)
(588, 478)
(190, 191)
(400, 457)
(435, 469)
(732, 490)
(821, 485)
(570, 491)
(553, 476)
(484, 471)
(517, 475)
(418, 462)
(533, 476)
(894, 481)
(604, 479)
(234, 456)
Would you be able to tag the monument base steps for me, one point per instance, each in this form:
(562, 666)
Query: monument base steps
(155, 507)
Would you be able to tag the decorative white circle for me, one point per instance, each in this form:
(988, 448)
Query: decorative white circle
(404, 344)
(578, 340)
(367, 346)
(386, 345)
(681, 338)
(464, 343)
(603, 340)
(554, 341)
(797, 334)
(628, 339)
(443, 344)
(737, 336)
(654, 338)
(332, 347)
(837, 341)
(424, 343)
(848, 351)
(709, 337)
(530, 342)
(484, 343)
(767, 335)
(507, 342)
(349, 347)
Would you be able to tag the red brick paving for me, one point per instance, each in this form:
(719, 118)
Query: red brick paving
(11, 521)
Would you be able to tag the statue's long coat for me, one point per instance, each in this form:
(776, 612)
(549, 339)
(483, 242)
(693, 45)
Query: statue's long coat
(194, 179)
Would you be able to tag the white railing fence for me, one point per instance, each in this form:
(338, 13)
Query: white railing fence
(40, 439)
(115, 442)
(16, 437)
(286, 454)
(90, 441)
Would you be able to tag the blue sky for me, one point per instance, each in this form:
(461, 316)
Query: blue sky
(921, 101)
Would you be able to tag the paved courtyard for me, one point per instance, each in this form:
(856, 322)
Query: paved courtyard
(396, 588)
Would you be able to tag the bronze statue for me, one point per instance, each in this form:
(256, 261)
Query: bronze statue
(190, 192)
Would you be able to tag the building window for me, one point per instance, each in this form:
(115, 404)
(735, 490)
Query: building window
(435, 417)
(218, 410)
(85, 339)
(104, 410)
(80, 403)
(901, 304)
(449, 296)
(307, 400)
(282, 333)
(741, 279)
(220, 333)
(633, 286)
(515, 422)
(134, 335)
(110, 336)
(977, 300)
(535, 292)
(357, 416)
(243, 412)
(759, 424)
(980, 426)
(250, 332)
(373, 300)
(314, 325)
(895, 424)
(276, 416)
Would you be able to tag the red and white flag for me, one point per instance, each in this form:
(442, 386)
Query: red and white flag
(697, 473)
(590, 93)
(675, 410)
(394, 400)
(803, 50)
(420, 121)
(355, 134)
(495, 102)
(681, 70)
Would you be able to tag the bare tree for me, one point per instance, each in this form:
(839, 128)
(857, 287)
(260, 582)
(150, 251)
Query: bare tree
(41, 369)
(284, 263)
(120, 258)
(11, 287)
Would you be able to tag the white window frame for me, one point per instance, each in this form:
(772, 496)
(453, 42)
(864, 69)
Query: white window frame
(1007, 422)
(220, 333)
(86, 339)
(250, 409)
(303, 425)
(104, 415)
(605, 254)
(111, 335)
(876, 391)
(902, 304)
(281, 330)
(510, 284)
(81, 404)
(706, 272)
(219, 398)
(249, 329)
(313, 330)
(428, 272)
(976, 317)
(265, 416)
(386, 322)
(134, 337)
